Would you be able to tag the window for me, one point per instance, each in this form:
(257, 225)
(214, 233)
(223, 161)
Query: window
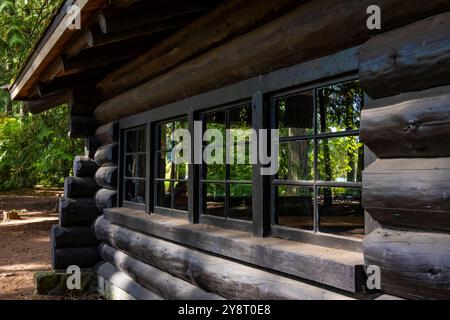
(318, 186)
(226, 188)
(135, 164)
(171, 182)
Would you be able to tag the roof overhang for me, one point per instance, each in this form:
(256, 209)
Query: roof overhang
(56, 37)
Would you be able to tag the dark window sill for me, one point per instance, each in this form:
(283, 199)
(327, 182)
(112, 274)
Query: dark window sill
(336, 268)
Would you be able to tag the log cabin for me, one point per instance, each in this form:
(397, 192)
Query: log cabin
(363, 116)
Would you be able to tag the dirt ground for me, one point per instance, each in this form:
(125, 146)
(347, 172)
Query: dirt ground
(25, 243)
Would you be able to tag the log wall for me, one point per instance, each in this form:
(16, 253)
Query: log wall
(406, 125)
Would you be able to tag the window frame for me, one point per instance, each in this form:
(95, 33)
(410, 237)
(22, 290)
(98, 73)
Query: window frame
(154, 194)
(303, 234)
(224, 222)
(122, 167)
(259, 89)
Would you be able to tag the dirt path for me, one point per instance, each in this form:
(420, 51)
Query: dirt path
(25, 243)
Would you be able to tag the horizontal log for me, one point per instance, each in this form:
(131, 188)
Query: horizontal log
(102, 56)
(85, 257)
(76, 187)
(48, 102)
(146, 12)
(420, 51)
(107, 155)
(83, 41)
(77, 212)
(160, 282)
(409, 193)
(224, 22)
(410, 125)
(120, 4)
(107, 133)
(106, 198)
(53, 70)
(288, 40)
(84, 166)
(108, 272)
(413, 265)
(72, 237)
(106, 177)
(228, 279)
(82, 126)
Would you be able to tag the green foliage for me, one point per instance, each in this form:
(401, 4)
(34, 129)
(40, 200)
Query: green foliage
(35, 150)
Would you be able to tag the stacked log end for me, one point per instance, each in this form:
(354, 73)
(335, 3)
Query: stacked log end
(406, 124)
(72, 240)
(106, 157)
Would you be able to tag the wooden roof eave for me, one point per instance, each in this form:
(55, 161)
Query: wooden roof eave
(53, 42)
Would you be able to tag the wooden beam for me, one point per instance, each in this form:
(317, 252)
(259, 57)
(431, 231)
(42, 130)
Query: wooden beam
(105, 55)
(288, 40)
(72, 237)
(146, 12)
(57, 36)
(410, 193)
(414, 124)
(121, 4)
(107, 133)
(83, 41)
(84, 257)
(100, 38)
(82, 126)
(419, 51)
(47, 102)
(106, 198)
(107, 155)
(75, 187)
(106, 177)
(77, 212)
(70, 82)
(227, 278)
(228, 20)
(414, 265)
(84, 167)
(54, 70)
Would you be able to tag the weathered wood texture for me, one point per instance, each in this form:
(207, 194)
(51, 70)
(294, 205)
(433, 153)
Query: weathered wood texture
(288, 40)
(107, 155)
(106, 198)
(77, 212)
(72, 237)
(75, 187)
(107, 272)
(47, 102)
(338, 268)
(409, 193)
(107, 133)
(415, 124)
(84, 166)
(160, 282)
(228, 20)
(82, 126)
(106, 177)
(414, 57)
(85, 257)
(413, 265)
(228, 279)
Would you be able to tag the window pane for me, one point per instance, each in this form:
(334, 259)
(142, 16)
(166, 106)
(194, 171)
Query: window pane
(340, 211)
(240, 203)
(135, 166)
(294, 207)
(135, 141)
(181, 124)
(241, 117)
(296, 160)
(180, 192)
(165, 166)
(296, 114)
(163, 191)
(181, 171)
(339, 107)
(215, 120)
(215, 171)
(135, 190)
(340, 159)
(215, 199)
(165, 132)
